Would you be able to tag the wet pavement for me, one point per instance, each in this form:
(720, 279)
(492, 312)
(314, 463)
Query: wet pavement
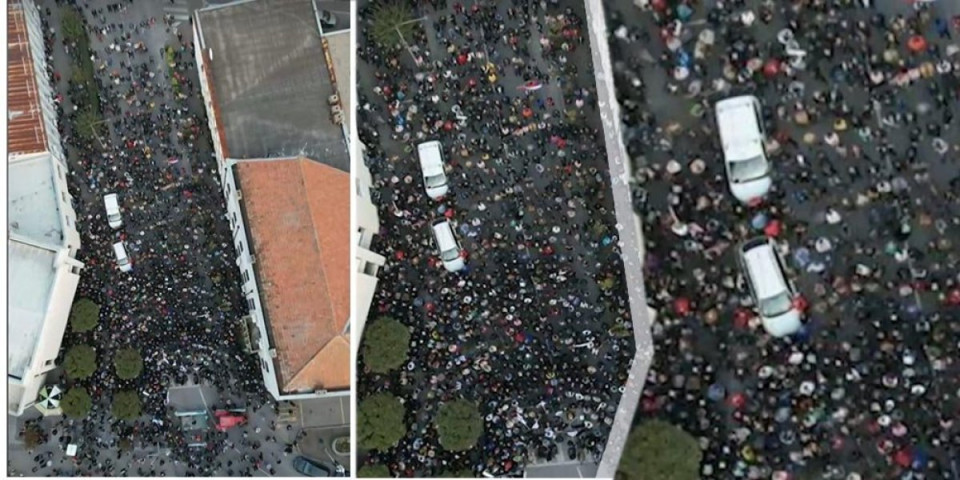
(526, 331)
(180, 303)
(865, 203)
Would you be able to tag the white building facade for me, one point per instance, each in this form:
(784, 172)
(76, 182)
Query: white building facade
(257, 324)
(43, 272)
(368, 262)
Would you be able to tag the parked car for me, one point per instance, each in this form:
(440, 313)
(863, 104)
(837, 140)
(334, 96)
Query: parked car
(451, 254)
(311, 468)
(740, 124)
(112, 205)
(773, 293)
(123, 261)
(431, 167)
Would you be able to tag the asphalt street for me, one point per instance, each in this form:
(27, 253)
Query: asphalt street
(875, 354)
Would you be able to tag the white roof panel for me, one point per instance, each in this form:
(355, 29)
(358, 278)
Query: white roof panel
(32, 207)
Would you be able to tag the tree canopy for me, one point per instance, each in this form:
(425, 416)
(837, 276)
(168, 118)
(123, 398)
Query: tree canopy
(390, 20)
(385, 344)
(126, 405)
(80, 362)
(71, 24)
(373, 471)
(84, 315)
(380, 421)
(459, 425)
(128, 363)
(657, 450)
(76, 403)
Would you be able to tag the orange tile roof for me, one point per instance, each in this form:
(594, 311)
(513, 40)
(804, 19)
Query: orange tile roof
(25, 130)
(298, 215)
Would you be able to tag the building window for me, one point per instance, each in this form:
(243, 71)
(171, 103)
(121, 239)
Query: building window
(240, 246)
(252, 304)
(264, 365)
(48, 363)
(246, 276)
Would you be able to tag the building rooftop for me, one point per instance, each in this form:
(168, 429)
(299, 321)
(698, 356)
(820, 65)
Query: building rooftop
(339, 45)
(25, 130)
(297, 212)
(32, 207)
(270, 81)
(30, 277)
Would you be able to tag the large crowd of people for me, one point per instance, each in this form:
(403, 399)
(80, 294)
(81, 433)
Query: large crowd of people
(859, 100)
(180, 305)
(536, 331)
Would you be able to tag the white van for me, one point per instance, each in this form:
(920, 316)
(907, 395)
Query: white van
(772, 292)
(123, 261)
(448, 245)
(431, 166)
(740, 124)
(113, 210)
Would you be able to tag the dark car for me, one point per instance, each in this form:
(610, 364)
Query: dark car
(311, 468)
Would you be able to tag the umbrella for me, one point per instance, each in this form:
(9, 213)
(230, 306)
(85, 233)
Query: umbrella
(49, 400)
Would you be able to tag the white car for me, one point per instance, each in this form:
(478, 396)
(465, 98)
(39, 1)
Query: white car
(431, 166)
(772, 292)
(447, 244)
(123, 261)
(112, 205)
(740, 123)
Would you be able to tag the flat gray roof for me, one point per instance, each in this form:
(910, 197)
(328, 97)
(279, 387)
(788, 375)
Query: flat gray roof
(30, 278)
(32, 207)
(271, 81)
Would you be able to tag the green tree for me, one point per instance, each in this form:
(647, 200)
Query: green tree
(373, 471)
(128, 363)
(89, 124)
(657, 450)
(380, 421)
(459, 425)
(385, 344)
(80, 362)
(126, 405)
(76, 403)
(390, 21)
(84, 315)
(71, 24)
